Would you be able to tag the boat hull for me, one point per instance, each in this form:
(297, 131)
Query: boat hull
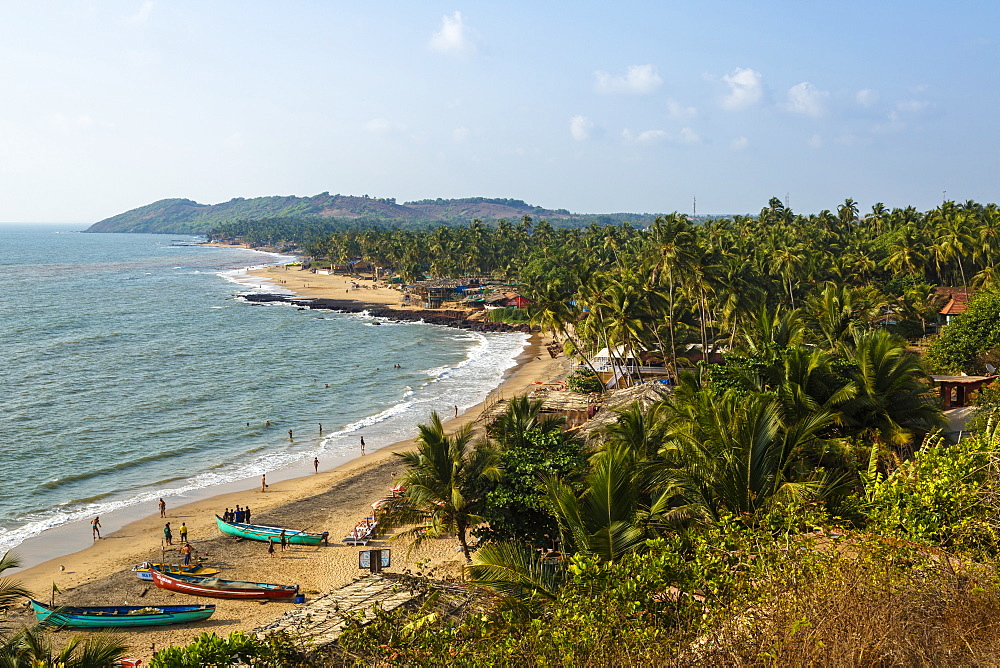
(264, 533)
(121, 616)
(142, 571)
(214, 588)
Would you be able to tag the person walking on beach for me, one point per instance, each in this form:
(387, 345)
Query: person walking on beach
(183, 532)
(163, 508)
(186, 551)
(95, 527)
(284, 540)
(316, 464)
(270, 546)
(168, 536)
(362, 445)
(263, 482)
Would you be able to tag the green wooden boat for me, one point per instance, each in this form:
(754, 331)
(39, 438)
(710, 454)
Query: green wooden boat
(265, 533)
(118, 616)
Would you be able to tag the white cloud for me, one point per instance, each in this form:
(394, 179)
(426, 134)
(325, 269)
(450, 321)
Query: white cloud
(686, 136)
(381, 126)
(804, 98)
(454, 37)
(460, 134)
(141, 17)
(639, 80)
(678, 112)
(745, 89)
(866, 97)
(739, 144)
(235, 140)
(912, 106)
(580, 127)
(815, 142)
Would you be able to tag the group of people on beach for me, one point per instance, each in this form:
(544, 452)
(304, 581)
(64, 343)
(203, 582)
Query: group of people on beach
(239, 516)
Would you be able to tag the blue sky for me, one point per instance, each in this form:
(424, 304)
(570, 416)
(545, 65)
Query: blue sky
(592, 107)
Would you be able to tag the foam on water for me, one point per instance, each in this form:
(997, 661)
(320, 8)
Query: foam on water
(131, 380)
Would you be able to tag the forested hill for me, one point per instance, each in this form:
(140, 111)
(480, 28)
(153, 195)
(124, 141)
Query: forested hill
(178, 216)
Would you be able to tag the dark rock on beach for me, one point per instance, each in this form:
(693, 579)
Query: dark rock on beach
(459, 319)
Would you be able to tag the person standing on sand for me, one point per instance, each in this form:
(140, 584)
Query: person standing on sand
(315, 464)
(186, 551)
(95, 527)
(270, 546)
(284, 540)
(246, 515)
(168, 536)
(263, 482)
(163, 508)
(362, 445)
(183, 532)
(456, 411)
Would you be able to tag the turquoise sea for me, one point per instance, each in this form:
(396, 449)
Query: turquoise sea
(131, 370)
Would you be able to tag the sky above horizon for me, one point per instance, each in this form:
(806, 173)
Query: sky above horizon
(591, 107)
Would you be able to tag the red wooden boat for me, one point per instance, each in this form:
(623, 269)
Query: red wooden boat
(215, 588)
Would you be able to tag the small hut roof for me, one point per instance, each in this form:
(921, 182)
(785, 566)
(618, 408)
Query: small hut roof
(615, 401)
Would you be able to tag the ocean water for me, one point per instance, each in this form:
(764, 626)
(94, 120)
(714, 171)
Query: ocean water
(130, 369)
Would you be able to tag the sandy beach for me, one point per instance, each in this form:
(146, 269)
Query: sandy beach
(331, 500)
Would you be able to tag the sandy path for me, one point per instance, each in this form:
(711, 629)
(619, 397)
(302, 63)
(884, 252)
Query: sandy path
(328, 501)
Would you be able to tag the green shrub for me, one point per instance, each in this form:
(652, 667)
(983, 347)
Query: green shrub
(585, 380)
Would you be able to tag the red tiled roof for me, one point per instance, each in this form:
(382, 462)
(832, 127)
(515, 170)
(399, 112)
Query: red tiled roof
(958, 303)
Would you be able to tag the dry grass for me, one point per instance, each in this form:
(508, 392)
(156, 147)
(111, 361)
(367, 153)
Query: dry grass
(864, 613)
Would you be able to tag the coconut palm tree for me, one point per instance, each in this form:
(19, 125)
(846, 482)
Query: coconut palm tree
(609, 518)
(736, 455)
(445, 481)
(522, 415)
(891, 406)
(31, 648)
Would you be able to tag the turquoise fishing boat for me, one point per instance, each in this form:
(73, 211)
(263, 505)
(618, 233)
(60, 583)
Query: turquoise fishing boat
(120, 616)
(265, 533)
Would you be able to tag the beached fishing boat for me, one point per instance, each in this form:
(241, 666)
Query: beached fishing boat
(142, 570)
(215, 588)
(265, 533)
(102, 617)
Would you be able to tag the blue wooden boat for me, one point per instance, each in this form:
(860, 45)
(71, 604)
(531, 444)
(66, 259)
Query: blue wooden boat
(118, 616)
(265, 533)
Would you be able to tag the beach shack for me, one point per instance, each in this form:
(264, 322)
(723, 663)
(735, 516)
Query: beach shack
(958, 391)
(618, 368)
(433, 293)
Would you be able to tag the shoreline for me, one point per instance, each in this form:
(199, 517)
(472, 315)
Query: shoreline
(331, 500)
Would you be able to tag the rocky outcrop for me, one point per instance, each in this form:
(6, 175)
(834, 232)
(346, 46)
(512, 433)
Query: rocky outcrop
(459, 319)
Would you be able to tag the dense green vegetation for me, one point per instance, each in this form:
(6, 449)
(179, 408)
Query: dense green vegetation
(179, 216)
(793, 505)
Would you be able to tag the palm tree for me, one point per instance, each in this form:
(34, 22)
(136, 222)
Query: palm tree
(445, 484)
(516, 574)
(890, 407)
(30, 647)
(609, 518)
(522, 416)
(736, 455)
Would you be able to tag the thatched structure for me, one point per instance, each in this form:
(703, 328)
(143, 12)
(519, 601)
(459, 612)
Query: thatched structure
(617, 400)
